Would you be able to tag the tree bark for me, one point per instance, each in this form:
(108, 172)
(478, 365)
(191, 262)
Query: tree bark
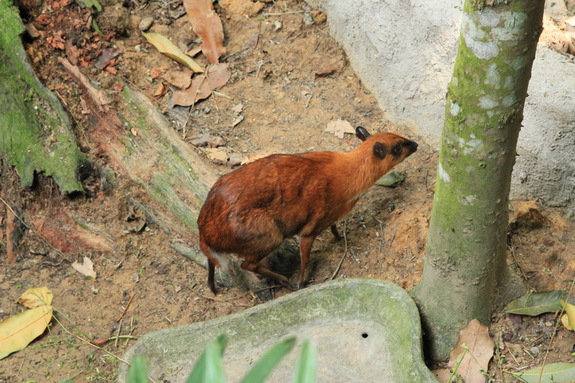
(35, 132)
(466, 275)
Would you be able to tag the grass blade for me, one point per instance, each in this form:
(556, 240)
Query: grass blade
(138, 372)
(306, 365)
(206, 368)
(269, 361)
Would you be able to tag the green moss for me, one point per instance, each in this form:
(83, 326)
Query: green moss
(35, 133)
(161, 189)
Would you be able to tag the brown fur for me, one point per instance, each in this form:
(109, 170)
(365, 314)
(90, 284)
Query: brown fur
(250, 211)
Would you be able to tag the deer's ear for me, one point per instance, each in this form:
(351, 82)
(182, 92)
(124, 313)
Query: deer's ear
(379, 150)
(362, 133)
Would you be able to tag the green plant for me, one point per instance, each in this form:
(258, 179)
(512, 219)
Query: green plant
(210, 369)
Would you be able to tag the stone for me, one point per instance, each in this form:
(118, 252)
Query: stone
(146, 23)
(364, 330)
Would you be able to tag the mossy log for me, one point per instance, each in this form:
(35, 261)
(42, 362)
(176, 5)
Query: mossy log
(153, 167)
(35, 132)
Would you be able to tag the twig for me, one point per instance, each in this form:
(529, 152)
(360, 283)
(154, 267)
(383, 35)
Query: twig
(118, 333)
(92, 344)
(344, 251)
(129, 336)
(88, 342)
(126, 308)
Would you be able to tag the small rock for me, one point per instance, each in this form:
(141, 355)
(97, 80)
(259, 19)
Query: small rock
(201, 140)
(534, 351)
(215, 141)
(308, 19)
(207, 140)
(235, 160)
(277, 25)
(146, 23)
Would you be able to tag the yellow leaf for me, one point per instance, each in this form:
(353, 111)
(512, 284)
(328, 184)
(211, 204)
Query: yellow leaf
(19, 330)
(168, 48)
(568, 319)
(565, 322)
(36, 297)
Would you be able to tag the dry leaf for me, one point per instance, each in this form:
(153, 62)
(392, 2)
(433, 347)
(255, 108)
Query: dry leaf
(479, 352)
(443, 375)
(161, 90)
(339, 128)
(165, 46)
(106, 56)
(208, 26)
(181, 79)
(40, 296)
(19, 330)
(86, 268)
(203, 86)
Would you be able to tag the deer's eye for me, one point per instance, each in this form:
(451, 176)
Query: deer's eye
(397, 149)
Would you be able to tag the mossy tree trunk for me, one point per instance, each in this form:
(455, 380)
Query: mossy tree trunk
(465, 271)
(35, 132)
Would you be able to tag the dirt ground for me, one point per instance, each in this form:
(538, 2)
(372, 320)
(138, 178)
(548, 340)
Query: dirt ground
(291, 79)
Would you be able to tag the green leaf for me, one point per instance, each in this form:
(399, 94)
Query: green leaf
(552, 373)
(534, 304)
(138, 372)
(306, 365)
(269, 361)
(391, 179)
(206, 368)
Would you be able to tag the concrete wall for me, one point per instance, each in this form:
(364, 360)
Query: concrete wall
(404, 50)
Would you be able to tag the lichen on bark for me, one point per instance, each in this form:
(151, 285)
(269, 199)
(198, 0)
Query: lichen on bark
(465, 272)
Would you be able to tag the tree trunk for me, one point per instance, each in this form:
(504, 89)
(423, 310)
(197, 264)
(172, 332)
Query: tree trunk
(35, 133)
(465, 271)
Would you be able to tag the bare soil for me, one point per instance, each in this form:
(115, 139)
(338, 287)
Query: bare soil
(279, 53)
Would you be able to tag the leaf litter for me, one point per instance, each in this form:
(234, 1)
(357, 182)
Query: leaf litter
(19, 330)
(203, 85)
(472, 353)
(207, 24)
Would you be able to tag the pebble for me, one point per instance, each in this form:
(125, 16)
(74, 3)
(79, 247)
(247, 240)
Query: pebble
(146, 23)
(235, 160)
